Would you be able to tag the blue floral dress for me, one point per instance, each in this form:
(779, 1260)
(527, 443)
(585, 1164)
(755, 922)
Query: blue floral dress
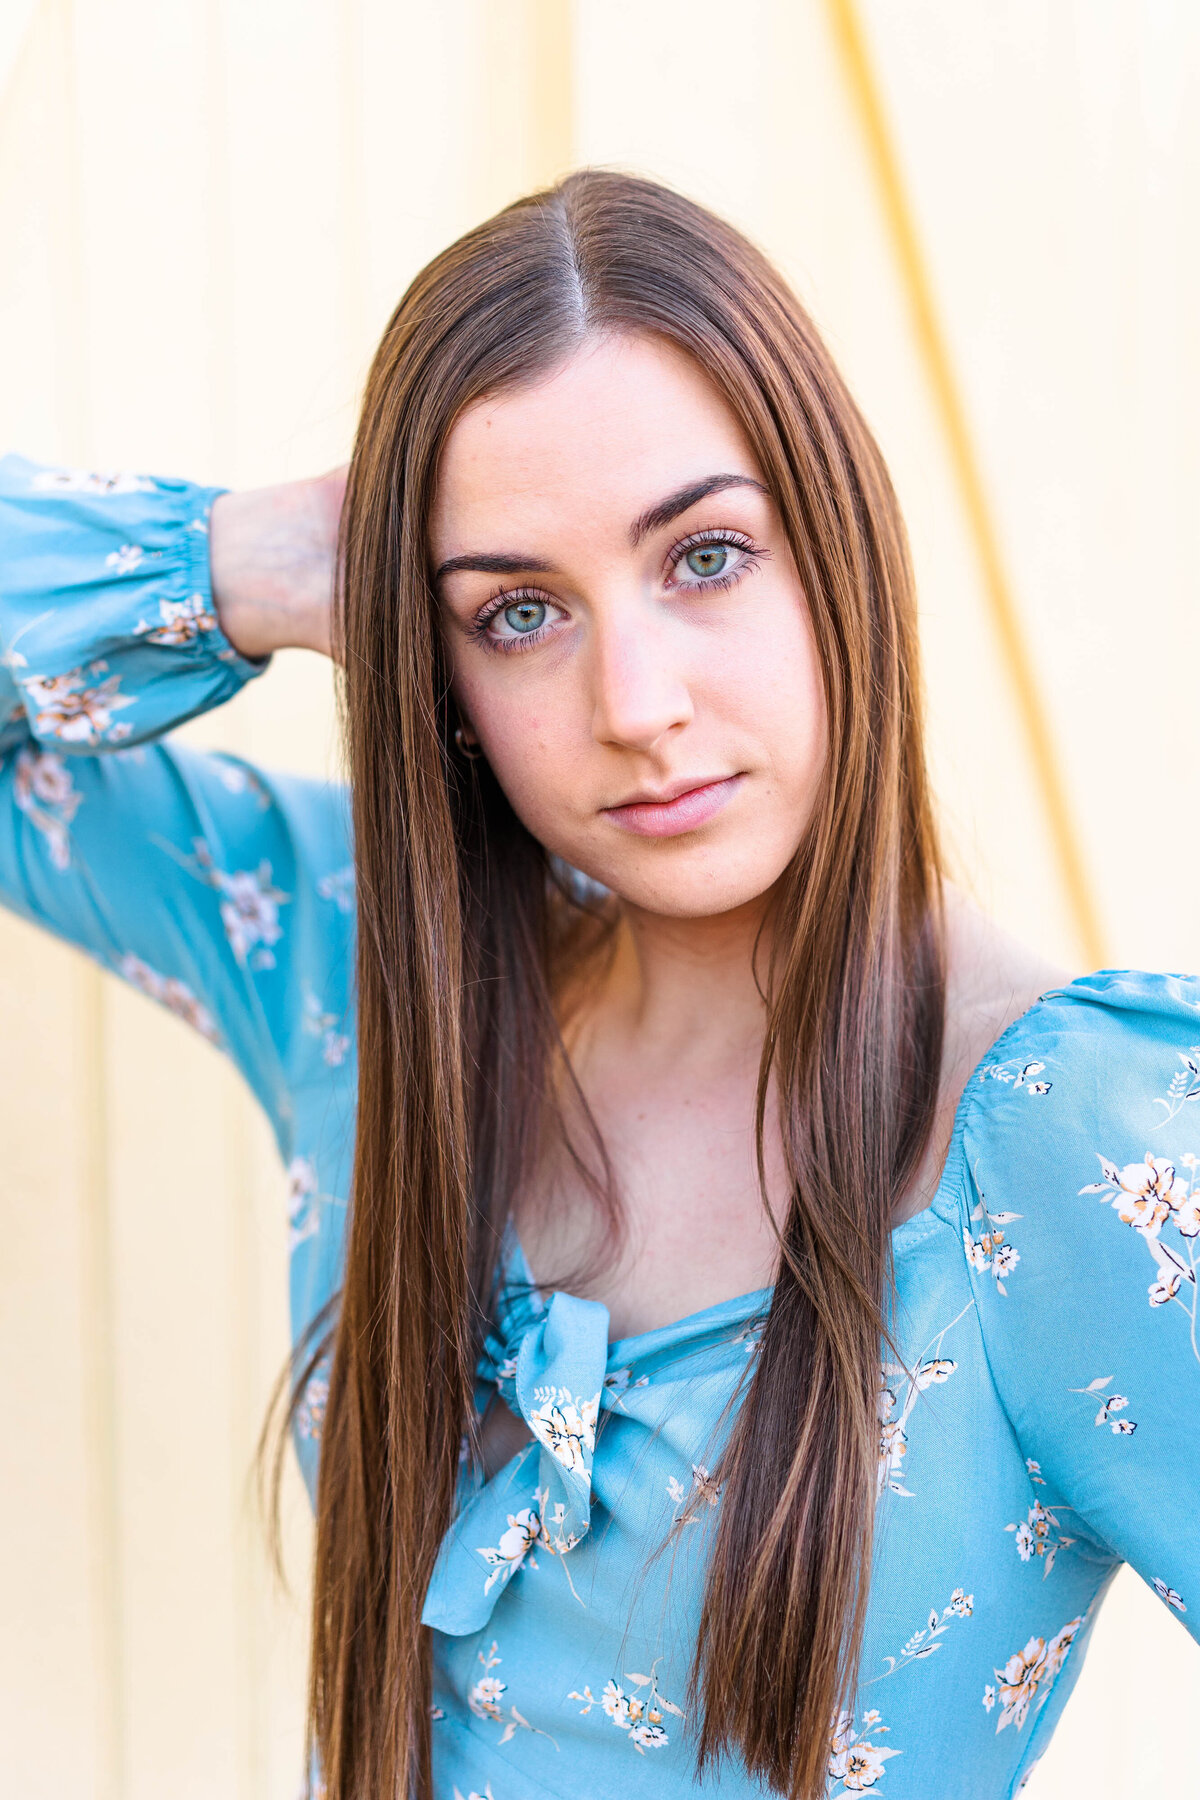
(1040, 1426)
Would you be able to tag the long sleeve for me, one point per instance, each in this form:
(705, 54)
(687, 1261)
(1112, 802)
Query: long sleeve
(220, 890)
(108, 633)
(1081, 1229)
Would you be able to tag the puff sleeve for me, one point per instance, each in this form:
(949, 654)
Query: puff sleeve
(1080, 1220)
(222, 891)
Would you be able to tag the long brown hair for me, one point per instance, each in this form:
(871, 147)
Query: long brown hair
(461, 923)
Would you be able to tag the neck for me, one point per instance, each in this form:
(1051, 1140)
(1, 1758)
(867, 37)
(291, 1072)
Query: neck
(686, 988)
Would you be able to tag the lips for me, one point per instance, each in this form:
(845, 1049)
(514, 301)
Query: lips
(683, 806)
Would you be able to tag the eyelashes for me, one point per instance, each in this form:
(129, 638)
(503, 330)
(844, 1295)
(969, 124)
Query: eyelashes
(701, 540)
(526, 634)
(510, 600)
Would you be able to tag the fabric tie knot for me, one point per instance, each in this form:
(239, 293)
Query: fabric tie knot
(553, 1379)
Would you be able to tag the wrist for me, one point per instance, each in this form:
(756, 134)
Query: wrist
(271, 554)
(246, 609)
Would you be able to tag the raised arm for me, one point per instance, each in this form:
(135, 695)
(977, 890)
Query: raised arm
(222, 891)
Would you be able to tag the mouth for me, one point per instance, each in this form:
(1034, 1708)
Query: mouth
(684, 806)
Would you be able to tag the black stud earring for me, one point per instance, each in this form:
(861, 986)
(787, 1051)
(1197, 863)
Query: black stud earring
(464, 746)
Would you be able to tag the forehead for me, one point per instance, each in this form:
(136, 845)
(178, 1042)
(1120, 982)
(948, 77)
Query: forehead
(623, 421)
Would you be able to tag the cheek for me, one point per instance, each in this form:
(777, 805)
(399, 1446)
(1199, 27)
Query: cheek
(766, 685)
(536, 740)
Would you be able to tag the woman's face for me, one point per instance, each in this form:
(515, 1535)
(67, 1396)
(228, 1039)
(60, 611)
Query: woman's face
(628, 635)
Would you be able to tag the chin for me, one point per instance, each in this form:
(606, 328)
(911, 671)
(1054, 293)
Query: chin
(701, 887)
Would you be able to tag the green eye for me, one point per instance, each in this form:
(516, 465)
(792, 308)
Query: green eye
(707, 559)
(524, 616)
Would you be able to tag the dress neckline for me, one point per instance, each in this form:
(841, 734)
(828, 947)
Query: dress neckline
(756, 1301)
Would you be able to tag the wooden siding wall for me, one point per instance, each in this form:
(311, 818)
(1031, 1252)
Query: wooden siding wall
(207, 210)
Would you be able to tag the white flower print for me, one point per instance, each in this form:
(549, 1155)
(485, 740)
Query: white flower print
(1109, 1404)
(320, 1024)
(484, 1700)
(236, 778)
(1145, 1193)
(46, 777)
(1034, 1537)
(899, 1387)
(69, 709)
(1149, 1196)
(170, 992)
(1021, 1075)
(179, 999)
(249, 907)
(566, 1426)
(855, 1763)
(990, 1251)
(303, 1217)
(1034, 1470)
(1029, 1673)
(45, 792)
(506, 1557)
(1165, 1286)
(1167, 1594)
(1183, 1086)
(648, 1737)
(179, 622)
(556, 1537)
(619, 1382)
(704, 1491)
(84, 481)
(1019, 1681)
(484, 1697)
(893, 1445)
(125, 560)
(339, 887)
(641, 1715)
(310, 1414)
(487, 1794)
(612, 1700)
(250, 913)
(927, 1641)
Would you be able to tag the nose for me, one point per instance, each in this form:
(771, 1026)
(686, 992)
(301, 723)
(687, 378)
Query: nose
(641, 692)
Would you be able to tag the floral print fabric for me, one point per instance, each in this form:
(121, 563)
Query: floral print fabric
(553, 1379)
(1039, 1405)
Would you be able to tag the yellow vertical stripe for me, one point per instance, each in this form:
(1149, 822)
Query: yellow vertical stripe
(864, 90)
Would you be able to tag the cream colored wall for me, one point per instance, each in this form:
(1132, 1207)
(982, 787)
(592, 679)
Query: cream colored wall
(207, 209)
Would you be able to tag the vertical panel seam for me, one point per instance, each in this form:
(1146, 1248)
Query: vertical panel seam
(98, 1335)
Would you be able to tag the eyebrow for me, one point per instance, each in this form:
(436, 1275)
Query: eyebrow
(493, 565)
(653, 519)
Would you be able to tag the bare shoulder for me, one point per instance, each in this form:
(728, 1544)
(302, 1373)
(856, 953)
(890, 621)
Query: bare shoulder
(991, 979)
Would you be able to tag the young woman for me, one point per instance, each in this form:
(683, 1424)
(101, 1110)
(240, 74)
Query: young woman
(746, 1305)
